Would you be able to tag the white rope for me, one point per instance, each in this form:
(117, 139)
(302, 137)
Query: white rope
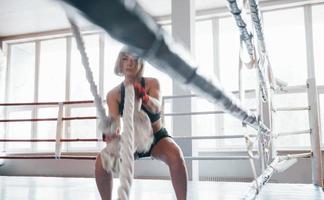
(127, 157)
(107, 125)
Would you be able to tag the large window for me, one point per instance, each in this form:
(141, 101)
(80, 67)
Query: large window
(51, 87)
(20, 88)
(204, 124)
(285, 36)
(21, 73)
(318, 32)
(79, 85)
(285, 39)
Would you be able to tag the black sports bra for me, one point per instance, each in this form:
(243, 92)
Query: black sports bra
(153, 116)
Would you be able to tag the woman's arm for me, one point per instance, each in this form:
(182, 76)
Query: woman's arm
(113, 107)
(153, 103)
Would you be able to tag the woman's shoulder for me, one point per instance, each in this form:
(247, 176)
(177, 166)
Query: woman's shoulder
(152, 83)
(151, 80)
(114, 92)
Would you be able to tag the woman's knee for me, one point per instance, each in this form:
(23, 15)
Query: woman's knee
(175, 157)
(99, 169)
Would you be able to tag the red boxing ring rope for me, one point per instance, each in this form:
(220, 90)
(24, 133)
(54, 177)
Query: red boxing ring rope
(52, 140)
(46, 103)
(50, 157)
(47, 119)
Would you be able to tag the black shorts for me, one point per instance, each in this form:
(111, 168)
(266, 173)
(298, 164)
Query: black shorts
(162, 133)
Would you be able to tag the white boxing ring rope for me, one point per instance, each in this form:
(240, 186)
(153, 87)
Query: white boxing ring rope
(279, 164)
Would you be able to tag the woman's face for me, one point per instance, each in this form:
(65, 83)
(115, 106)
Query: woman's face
(129, 65)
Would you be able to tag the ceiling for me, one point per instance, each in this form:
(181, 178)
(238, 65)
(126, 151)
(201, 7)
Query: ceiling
(31, 16)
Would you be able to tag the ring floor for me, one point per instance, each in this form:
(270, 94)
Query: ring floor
(53, 188)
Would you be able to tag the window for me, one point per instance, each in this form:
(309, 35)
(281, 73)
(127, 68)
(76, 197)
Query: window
(22, 73)
(285, 40)
(82, 128)
(20, 88)
(290, 121)
(204, 124)
(51, 87)
(46, 129)
(228, 53)
(321, 98)
(318, 41)
(21, 130)
(229, 45)
(80, 90)
(79, 85)
(52, 70)
(112, 49)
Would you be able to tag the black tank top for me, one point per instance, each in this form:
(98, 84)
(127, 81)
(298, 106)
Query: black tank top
(153, 116)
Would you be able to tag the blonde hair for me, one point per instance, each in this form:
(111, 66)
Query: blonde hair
(125, 51)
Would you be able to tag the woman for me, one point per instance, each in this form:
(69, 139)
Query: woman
(163, 147)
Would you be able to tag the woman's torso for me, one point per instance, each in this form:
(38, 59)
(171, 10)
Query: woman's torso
(155, 118)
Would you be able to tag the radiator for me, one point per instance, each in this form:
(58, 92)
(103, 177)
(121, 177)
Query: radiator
(225, 179)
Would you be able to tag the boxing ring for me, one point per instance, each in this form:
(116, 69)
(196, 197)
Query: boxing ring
(152, 43)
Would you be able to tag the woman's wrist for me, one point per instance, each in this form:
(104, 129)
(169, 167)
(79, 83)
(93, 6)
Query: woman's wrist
(145, 99)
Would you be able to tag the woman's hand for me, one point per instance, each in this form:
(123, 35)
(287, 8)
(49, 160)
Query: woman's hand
(141, 93)
(107, 137)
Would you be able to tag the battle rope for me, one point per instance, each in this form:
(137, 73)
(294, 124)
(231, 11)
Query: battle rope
(107, 124)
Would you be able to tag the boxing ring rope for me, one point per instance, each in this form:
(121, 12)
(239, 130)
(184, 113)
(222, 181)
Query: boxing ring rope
(237, 136)
(279, 164)
(47, 157)
(52, 140)
(47, 103)
(47, 119)
(246, 37)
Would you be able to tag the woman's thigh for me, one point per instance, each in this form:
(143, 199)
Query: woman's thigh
(166, 150)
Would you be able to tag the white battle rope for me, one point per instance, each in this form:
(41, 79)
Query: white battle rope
(127, 168)
(107, 125)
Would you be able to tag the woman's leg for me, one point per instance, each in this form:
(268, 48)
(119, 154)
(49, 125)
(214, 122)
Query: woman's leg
(169, 152)
(104, 180)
